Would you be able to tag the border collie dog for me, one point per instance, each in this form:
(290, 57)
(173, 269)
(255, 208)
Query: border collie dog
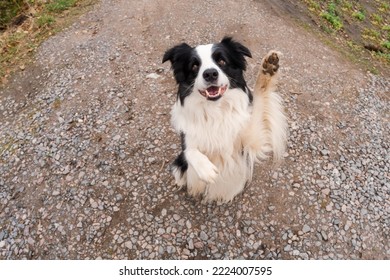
(224, 128)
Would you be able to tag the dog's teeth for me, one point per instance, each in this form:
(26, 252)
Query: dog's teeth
(219, 91)
(207, 93)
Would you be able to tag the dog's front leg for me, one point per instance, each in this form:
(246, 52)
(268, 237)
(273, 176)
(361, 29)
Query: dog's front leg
(203, 167)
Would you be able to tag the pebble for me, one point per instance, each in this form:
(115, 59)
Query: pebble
(347, 225)
(152, 76)
(306, 229)
(324, 235)
(271, 208)
(324, 152)
(191, 244)
(55, 193)
(129, 245)
(203, 236)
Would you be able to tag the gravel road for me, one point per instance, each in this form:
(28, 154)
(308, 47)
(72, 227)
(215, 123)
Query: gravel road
(86, 143)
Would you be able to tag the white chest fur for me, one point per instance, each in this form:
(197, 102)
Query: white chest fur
(212, 126)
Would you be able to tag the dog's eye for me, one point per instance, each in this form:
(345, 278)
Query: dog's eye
(221, 62)
(195, 67)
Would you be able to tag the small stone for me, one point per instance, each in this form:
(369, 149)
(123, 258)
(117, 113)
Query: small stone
(181, 222)
(30, 241)
(186, 252)
(304, 256)
(176, 217)
(191, 244)
(306, 229)
(324, 152)
(55, 193)
(198, 245)
(326, 191)
(287, 248)
(171, 249)
(203, 236)
(324, 235)
(129, 245)
(295, 252)
(161, 250)
(2, 244)
(152, 76)
(271, 208)
(347, 225)
(328, 207)
(93, 203)
(160, 231)
(164, 212)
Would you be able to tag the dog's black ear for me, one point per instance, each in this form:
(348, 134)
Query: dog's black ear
(236, 46)
(176, 53)
(179, 57)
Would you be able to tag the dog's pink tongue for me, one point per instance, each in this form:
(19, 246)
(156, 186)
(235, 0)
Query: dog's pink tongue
(213, 90)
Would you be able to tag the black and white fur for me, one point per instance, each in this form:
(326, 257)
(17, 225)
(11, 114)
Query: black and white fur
(223, 127)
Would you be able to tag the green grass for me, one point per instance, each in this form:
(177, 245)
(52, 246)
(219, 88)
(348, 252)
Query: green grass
(367, 38)
(45, 20)
(359, 15)
(18, 42)
(60, 5)
(9, 9)
(376, 19)
(372, 34)
(331, 16)
(386, 45)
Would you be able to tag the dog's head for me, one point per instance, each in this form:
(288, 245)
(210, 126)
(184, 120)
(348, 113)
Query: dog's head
(208, 70)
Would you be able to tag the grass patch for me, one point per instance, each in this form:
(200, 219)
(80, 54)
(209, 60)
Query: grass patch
(25, 24)
(45, 20)
(60, 5)
(361, 27)
(9, 9)
(359, 15)
(331, 16)
(386, 45)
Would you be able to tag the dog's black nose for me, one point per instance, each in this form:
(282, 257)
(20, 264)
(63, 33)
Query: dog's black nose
(210, 75)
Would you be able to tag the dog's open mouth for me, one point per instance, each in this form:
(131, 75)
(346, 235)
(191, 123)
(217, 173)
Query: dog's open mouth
(213, 92)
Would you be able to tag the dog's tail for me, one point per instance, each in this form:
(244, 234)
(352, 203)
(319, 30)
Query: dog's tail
(268, 118)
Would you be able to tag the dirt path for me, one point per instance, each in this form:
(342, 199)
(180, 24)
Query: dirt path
(86, 144)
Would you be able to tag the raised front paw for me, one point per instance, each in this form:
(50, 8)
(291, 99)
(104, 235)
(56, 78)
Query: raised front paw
(203, 167)
(207, 172)
(270, 63)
